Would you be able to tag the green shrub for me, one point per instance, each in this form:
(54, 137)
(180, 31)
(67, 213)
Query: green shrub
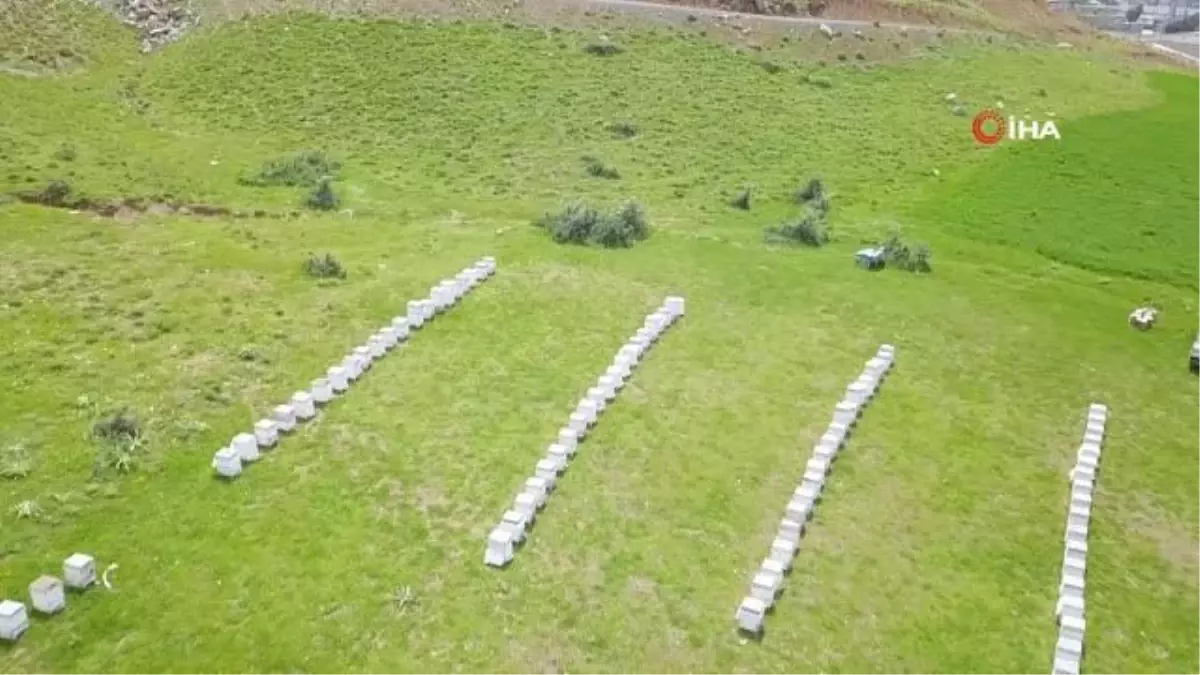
(808, 230)
(623, 129)
(900, 255)
(322, 197)
(120, 436)
(305, 168)
(741, 200)
(66, 153)
(813, 190)
(598, 169)
(324, 267)
(603, 48)
(819, 81)
(579, 223)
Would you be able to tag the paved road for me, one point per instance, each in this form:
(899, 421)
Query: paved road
(682, 12)
(1187, 44)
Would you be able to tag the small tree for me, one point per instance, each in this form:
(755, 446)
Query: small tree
(1134, 13)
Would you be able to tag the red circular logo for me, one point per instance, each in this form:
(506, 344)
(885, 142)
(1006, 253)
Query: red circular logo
(980, 125)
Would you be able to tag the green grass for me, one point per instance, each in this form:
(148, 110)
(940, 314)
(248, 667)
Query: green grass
(938, 546)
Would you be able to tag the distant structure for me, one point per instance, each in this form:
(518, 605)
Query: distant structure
(1110, 14)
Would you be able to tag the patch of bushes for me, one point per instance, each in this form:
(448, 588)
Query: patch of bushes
(771, 67)
(579, 223)
(323, 198)
(603, 48)
(819, 81)
(741, 200)
(66, 153)
(15, 462)
(120, 436)
(623, 129)
(598, 169)
(323, 267)
(305, 168)
(915, 258)
(811, 228)
(808, 230)
(56, 193)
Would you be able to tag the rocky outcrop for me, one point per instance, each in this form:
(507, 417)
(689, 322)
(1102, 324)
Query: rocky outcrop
(159, 21)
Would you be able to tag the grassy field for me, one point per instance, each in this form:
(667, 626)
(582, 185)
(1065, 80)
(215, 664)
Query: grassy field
(938, 546)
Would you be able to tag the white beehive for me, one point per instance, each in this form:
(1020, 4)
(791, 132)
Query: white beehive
(559, 455)
(388, 335)
(365, 358)
(499, 548)
(227, 462)
(48, 595)
(597, 396)
(782, 552)
(589, 410)
(266, 432)
(845, 413)
(14, 620)
(400, 327)
(321, 391)
(79, 570)
(302, 405)
(285, 417)
(610, 384)
(807, 492)
(675, 305)
(622, 367)
(791, 530)
(765, 586)
(376, 347)
(750, 615)
(353, 367)
(428, 309)
(540, 488)
(857, 394)
(799, 510)
(526, 505)
(547, 468)
(338, 379)
(416, 314)
(246, 447)
(578, 423)
(568, 439)
(516, 524)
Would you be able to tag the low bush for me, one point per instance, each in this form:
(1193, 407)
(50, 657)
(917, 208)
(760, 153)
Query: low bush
(603, 48)
(808, 230)
(579, 223)
(305, 168)
(741, 200)
(324, 267)
(623, 129)
(598, 169)
(915, 258)
(323, 197)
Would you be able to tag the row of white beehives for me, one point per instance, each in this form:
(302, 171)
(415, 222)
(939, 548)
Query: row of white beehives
(515, 523)
(1068, 651)
(47, 594)
(245, 447)
(768, 579)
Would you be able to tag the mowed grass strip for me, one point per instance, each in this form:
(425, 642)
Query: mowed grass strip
(938, 548)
